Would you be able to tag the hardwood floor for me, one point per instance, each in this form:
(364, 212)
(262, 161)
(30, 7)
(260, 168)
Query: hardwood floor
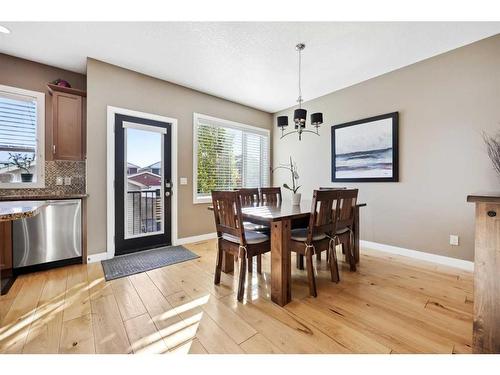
(391, 305)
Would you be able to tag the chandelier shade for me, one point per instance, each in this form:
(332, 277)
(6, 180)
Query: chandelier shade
(282, 121)
(299, 117)
(316, 119)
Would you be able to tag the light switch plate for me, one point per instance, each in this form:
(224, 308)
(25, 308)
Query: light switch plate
(453, 240)
(67, 180)
(59, 181)
(184, 180)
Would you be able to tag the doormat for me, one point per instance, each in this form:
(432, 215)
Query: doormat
(146, 260)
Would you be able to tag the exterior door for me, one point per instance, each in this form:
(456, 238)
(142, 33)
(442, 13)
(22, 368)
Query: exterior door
(142, 184)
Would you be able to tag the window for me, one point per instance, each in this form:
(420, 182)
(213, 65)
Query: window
(228, 155)
(22, 123)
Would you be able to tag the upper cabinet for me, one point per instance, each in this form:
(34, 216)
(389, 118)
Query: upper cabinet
(68, 123)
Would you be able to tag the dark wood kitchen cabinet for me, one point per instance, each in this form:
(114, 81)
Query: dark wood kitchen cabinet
(6, 276)
(68, 123)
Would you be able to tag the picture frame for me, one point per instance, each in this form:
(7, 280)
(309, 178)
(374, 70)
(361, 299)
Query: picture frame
(366, 150)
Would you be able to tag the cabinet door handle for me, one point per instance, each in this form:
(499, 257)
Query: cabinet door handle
(53, 149)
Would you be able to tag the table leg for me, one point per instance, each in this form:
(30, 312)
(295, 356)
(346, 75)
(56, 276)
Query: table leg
(356, 234)
(281, 271)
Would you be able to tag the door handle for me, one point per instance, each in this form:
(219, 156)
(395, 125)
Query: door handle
(167, 194)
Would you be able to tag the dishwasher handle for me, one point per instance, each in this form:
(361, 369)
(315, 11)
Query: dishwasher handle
(62, 202)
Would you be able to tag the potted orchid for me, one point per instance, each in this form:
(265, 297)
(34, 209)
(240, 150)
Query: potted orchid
(292, 167)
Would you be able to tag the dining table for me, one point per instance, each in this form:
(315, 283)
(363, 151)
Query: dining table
(279, 218)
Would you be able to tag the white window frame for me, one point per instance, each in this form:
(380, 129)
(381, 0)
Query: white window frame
(40, 138)
(228, 123)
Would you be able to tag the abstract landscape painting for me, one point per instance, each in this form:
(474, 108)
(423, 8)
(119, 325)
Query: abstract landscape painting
(366, 150)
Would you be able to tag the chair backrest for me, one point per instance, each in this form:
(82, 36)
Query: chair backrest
(270, 195)
(332, 188)
(227, 214)
(348, 199)
(331, 210)
(248, 197)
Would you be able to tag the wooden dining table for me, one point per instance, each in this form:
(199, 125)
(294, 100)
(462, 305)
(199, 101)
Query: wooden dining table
(279, 218)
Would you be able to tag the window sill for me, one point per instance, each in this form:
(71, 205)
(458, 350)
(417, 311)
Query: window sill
(204, 200)
(22, 185)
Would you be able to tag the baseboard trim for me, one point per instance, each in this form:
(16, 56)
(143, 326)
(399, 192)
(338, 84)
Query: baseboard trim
(439, 259)
(93, 258)
(192, 239)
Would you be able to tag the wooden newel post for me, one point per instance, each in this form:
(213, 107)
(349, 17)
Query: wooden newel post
(486, 331)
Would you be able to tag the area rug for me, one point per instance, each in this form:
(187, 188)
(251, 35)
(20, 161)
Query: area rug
(146, 260)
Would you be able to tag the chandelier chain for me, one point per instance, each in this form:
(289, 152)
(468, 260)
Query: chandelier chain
(300, 76)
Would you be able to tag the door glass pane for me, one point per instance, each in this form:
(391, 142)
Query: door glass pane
(143, 183)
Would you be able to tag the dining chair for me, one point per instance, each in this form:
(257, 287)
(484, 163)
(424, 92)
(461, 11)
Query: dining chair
(249, 197)
(318, 255)
(270, 195)
(329, 212)
(345, 223)
(232, 238)
(347, 240)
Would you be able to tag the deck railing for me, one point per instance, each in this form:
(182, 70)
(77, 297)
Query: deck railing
(144, 213)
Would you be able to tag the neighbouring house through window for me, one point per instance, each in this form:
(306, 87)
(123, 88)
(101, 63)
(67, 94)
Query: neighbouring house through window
(22, 124)
(228, 155)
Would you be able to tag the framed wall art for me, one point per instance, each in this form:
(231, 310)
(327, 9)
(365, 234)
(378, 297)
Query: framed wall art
(366, 150)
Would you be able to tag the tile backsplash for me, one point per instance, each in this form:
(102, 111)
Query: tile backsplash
(54, 169)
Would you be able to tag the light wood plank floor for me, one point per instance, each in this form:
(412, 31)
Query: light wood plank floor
(391, 305)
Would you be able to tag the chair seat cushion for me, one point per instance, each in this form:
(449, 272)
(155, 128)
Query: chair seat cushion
(342, 231)
(300, 234)
(256, 227)
(251, 237)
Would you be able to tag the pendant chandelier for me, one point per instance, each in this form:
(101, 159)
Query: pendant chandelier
(300, 114)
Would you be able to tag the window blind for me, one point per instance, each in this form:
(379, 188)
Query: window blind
(230, 157)
(18, 118)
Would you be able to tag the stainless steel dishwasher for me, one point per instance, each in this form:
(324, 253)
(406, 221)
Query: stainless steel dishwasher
(54, 234)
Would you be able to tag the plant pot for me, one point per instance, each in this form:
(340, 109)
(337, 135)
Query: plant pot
(296, 199)
(26, 177)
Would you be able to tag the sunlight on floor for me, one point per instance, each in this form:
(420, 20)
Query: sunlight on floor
(178, 335)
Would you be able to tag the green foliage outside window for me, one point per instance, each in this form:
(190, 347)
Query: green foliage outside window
(218, 167)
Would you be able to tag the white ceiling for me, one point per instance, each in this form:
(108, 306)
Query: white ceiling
(253, 63)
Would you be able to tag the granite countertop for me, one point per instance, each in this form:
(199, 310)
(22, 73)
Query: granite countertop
(42, 197)
(19, 209)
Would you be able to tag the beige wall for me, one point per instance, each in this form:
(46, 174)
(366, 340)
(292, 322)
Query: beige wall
(445, 103)
(111, 85)
(30, 75)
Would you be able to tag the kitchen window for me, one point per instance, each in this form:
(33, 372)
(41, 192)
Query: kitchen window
(228, 155)
(22, 140)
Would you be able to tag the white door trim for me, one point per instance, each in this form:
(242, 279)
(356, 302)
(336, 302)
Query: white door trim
(110, 171)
